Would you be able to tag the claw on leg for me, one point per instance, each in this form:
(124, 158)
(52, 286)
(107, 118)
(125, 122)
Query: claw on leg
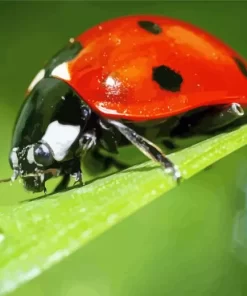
(175, 172)
(77, 178)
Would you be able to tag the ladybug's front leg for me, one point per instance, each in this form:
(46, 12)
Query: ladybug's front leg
(71, 168)
(148, 148)
(63, 184)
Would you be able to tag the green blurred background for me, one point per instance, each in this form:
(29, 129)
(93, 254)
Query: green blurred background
(192, 241)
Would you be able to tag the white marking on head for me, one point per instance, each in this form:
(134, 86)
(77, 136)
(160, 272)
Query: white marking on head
(60, 137)
(61, 71)
(14, 157)
(30, 156)
(39, 76)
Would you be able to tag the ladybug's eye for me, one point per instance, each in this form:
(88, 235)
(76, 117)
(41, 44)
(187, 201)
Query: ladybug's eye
(42, 155)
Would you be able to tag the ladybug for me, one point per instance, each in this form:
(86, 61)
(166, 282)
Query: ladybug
(119, 81)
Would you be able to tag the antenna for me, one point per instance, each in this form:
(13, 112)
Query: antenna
(5, 180)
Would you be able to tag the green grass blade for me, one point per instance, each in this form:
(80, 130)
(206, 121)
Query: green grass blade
(38, 234)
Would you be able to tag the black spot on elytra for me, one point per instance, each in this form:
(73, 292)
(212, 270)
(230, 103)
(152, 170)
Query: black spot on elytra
(167, 78)
(241, 66)
(69, 52)
(150, 27)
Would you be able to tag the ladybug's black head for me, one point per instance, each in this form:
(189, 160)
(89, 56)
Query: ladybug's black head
(46, 133)
(48, 157)
(32, 164)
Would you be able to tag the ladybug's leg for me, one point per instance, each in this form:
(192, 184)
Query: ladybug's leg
(148, 148)
(71, 168)
(63, 184)
(108, 139)
(87, 141)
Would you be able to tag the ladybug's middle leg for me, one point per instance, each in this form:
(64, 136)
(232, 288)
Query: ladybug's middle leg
(63, 184)
(147, 147)
(108, 141)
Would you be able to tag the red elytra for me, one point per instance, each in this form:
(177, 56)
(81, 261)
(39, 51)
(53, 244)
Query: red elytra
(114, 71)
